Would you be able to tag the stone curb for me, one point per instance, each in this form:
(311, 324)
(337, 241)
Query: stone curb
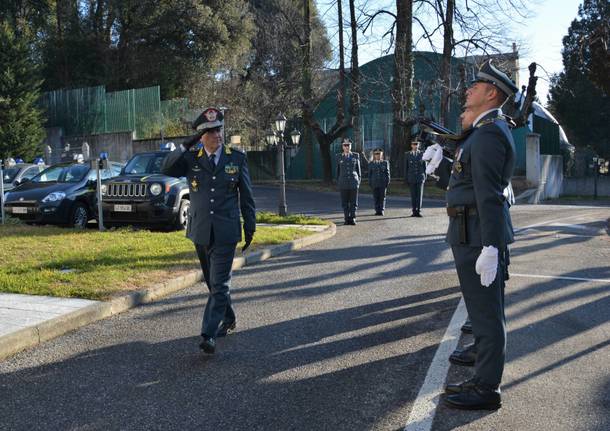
(33, 335)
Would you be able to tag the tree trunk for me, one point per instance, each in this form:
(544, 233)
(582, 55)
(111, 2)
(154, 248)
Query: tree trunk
(306, 87)
(355, 75)
(402, 97)
(448, 44)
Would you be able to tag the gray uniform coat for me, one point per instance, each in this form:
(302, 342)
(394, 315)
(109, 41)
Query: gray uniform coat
(379, 174)
(415, 168)
(482, 169)
(348, 171)
(216, 195)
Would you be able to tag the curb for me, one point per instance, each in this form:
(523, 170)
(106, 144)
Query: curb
(33, 335)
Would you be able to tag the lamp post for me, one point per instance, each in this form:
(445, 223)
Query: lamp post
(276, 138)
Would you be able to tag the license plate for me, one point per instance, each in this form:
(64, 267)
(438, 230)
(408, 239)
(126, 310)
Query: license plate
(123, 208)
(20, 210)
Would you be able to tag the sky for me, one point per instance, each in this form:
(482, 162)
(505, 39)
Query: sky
(540, 33)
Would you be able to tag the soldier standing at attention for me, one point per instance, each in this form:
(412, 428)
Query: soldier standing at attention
(415, 176)
(348, 179)
(379, 178)
(480, 231)
(220, 187)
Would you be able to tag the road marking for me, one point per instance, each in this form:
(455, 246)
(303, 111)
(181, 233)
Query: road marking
(424, 407)
(560, 277)
(544, 223)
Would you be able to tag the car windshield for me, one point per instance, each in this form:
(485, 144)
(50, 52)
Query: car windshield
(62, 174)
(145, 164)
(8, 175)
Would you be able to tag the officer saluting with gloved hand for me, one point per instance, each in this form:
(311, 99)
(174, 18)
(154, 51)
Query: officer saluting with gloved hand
(220, 187)
(480, 231)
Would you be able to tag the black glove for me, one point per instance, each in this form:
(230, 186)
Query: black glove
(248, 238)
(189, 142)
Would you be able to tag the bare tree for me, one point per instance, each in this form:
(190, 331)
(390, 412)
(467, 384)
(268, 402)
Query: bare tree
(354, 106)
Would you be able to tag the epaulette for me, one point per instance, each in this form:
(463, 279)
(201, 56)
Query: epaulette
(229, 150)
(489, 121)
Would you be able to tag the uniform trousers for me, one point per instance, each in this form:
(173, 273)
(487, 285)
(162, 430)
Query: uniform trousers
(216, 262)
(485, 307)
(417, 192)
(349, 202)
(379, 197)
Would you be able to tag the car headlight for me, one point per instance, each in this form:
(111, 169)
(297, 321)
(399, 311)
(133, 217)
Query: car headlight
(156, 189)
(54, 197)
(103, 189)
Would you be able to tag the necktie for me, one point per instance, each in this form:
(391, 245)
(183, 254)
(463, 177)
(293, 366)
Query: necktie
(212, 162)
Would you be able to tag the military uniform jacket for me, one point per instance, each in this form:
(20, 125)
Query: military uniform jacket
(482, 168)
(216, 194)
(348, 171)
(379, 173)
(415, 168)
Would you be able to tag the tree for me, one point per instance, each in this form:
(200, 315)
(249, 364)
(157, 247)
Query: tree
(577, 103)
(21, 131)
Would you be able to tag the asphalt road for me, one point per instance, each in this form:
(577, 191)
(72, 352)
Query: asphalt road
(339, 336)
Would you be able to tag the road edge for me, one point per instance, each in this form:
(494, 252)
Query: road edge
(34, 335)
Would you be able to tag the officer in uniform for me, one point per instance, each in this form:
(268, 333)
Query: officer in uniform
(220, 187)
(379, 178)
(415, 176)
(479, 232)
(348, 179)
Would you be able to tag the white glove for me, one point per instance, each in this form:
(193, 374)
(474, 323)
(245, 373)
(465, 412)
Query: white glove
(435, 161)
(430, 152)
(487, 265)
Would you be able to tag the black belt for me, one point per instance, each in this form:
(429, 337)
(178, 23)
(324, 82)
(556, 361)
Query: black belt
(460, 211)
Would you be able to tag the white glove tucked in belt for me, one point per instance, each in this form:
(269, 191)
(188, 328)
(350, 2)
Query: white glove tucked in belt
(487, 265)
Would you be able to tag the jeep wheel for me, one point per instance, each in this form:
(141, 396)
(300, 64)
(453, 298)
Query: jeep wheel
(80, 216)
(183, 214)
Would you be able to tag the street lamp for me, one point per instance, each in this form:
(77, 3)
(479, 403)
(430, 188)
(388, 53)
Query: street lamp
(276, 138)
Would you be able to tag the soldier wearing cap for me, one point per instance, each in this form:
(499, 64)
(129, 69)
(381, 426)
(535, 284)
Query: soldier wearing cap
(479, 232)
(220, 188)
(415, 176)
(379, 178)
(348, 179)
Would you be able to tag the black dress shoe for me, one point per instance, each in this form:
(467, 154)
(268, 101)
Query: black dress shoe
(475, 398)
(225, 329)
(413, 215)
(208, 345)
(467, 327)
(418, 215)
(457, 388)
(465, 357)
(353, 222)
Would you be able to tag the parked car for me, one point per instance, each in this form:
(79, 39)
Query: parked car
(141, 195)
(62, 194)
(14, 175)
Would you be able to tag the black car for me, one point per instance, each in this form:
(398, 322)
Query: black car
(62, 194)
(144, 196)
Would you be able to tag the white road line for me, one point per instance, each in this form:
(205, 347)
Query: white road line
(424, 407)
(544, 223)
(560, 277)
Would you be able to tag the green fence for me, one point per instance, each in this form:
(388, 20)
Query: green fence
(549, 135)
(91, 111)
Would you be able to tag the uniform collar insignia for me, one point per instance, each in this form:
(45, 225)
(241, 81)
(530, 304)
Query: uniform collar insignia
(228, 150)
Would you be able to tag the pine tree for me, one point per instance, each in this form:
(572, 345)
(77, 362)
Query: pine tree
(21, 128)
(576, 97)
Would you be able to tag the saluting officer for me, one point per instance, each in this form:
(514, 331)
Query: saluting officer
(479, 232)
(379, 178)
(220, 186)
(415, 176)
(348, 179)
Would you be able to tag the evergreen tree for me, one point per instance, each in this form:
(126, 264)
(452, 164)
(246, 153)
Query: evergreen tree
(21, 129)
(576, 101)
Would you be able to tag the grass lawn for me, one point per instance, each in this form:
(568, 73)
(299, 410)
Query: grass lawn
(272, 218)
(396, 188)
(43, 260)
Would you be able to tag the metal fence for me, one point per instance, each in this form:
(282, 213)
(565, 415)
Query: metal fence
(91, 111)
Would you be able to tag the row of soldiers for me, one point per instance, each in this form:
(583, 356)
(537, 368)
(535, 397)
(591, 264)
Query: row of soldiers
(349, 176)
